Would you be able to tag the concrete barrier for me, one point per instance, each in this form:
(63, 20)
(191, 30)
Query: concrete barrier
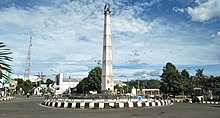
(105, 105)
(210, 102)
(6, 98)
(203, 102)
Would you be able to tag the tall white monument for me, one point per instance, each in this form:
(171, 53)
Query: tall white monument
(107, 74)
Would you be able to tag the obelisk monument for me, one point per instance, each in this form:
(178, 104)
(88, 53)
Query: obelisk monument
(107, 74)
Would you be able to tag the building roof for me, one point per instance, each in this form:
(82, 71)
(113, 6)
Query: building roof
(119, 82)
(71, 80)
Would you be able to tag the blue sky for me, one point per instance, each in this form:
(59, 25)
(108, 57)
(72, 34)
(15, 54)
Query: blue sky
(67, 35)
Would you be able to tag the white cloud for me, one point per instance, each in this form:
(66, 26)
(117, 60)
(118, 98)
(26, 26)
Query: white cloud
(68, 37)
(13, 19)
(130, 25)
(218, 33)
(205, 10)
(125, 73)
(126, 20)
(216, 39)
(150, 72)
(134, 61)
(176, 9)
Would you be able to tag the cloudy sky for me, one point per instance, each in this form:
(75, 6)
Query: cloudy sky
(67, 35)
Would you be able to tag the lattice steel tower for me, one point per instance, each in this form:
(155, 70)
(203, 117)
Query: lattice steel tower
(28, 61)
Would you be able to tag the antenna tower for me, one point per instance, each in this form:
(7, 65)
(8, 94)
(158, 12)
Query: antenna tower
(28, 61)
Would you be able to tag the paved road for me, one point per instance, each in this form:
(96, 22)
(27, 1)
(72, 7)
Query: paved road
(23, 107)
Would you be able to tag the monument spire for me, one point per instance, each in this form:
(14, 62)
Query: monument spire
(107, 74)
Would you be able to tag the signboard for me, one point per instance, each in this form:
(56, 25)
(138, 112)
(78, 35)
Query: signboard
(7, 79)
(139, 98)
(1, 79)
(13, 84)
(0, 74)
(1, 84)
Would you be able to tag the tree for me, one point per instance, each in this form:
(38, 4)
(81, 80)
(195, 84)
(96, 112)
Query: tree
(200, 79)
(95, 78)
(153, 84)
(216, 85)
(92, 82)
(187, 82)
(133, 83)
(20, 84)
(4, 56)
(141, 84)
(170, 80)
(213, 83)
(27, 86)
(49, 81)
(119, 89)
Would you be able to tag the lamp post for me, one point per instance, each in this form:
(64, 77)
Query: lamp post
(138, 83)
(127, 85)
(98, 62)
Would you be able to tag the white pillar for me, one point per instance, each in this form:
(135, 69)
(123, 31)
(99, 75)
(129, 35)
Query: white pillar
(107, 74)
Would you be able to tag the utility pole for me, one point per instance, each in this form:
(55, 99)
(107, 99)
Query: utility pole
(28, 61)
(127, 85)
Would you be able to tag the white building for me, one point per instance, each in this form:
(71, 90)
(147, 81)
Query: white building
(64, 84)
(119, 82)
(151, 92)
(38, 90)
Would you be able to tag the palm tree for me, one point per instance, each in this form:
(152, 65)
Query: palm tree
(4, 56)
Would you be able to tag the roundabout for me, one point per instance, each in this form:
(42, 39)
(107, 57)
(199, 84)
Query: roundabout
(104, 103)
(24, 107)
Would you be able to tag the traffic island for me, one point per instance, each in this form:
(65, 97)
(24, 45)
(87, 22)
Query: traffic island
(93, 104)
(6, 98)
(210, 102)
(201, 102)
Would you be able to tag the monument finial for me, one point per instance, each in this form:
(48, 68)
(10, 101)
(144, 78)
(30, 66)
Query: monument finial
(107, 7)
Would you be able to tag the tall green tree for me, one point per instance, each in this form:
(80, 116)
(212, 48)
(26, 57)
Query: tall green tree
(171, 83)
(200, 79)
(4, 58)
(92, 82)
(153, 84)
(141, 84)
(119, 89)
(20, 84)
(27, 86)
(213, 84)
(187, 82)
(49, 81)
(216, 85)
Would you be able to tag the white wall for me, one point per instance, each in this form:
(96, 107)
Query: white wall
(65, 85)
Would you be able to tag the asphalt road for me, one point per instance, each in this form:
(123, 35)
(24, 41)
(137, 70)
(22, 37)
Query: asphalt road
(23, 107)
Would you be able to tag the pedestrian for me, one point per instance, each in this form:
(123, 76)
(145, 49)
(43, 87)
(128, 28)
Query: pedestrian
(28, 94)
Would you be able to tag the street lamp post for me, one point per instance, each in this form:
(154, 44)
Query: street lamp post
(127, 85)
(98, 62)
